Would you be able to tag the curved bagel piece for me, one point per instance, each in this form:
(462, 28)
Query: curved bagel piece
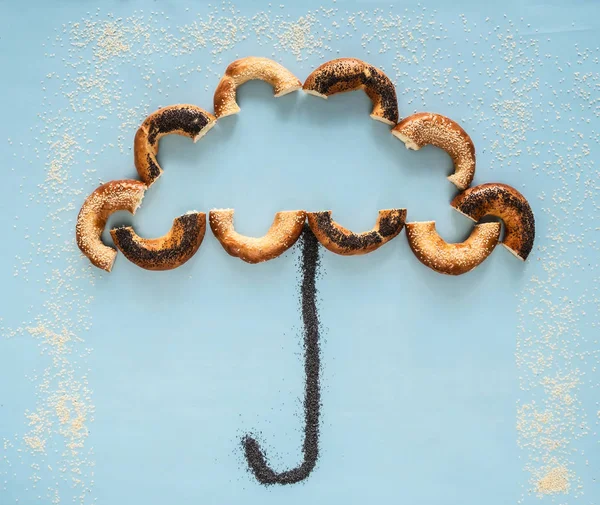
(106, 199)
(167, 252)
(248, 69)
(342, 241)
(425, 128)
(451, 259)
(283, 233)
(506, 203)
(349, 74)
(183, 119)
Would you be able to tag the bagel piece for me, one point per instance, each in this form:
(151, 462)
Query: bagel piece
(506, 203)
(182, 119)
(342, 241)
(106, 199)
(167, 252)
(248, 69)
(283, 233)
(349, 74)
(451, 259)
(425, 128)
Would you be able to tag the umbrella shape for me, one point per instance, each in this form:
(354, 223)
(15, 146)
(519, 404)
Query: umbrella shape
(312, 228)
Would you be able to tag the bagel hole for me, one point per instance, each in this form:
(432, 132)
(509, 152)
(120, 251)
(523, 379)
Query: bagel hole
(250, 228)
(260, 92)
(447, 165)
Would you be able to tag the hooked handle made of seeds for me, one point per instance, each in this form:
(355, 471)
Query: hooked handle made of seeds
(312, 392)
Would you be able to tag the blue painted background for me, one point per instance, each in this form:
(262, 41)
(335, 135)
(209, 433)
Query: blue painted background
(420, 383)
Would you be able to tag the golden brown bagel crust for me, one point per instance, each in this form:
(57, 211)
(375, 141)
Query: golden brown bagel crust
(340, 240)
(247, 69)
(508, 204)
(451, 259)
(349, 74)
(106, 199)
(283, 233)
(167, 252)
(425, 128)
(183, 119)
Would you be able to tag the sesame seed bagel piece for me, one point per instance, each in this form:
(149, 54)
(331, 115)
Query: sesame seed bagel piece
(183, 119)
(349, 74)
(283, 233)
(426, 128)
(506, 203)
(451, 259)
(170, 251)
(95, 211)
(342, 241)
(248, 69)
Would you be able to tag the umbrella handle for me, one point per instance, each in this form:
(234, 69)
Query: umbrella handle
(312, 390)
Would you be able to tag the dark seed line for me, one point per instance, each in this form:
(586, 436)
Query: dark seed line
(256, 458)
